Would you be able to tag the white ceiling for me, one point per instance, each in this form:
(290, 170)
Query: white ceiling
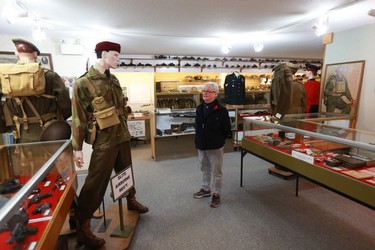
(192, 27)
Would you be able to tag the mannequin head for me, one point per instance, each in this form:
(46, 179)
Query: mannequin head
(311, 70)
(25, 50)
(108, 54)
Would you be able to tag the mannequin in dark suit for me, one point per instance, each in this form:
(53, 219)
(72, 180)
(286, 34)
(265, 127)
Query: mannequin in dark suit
(234, 88)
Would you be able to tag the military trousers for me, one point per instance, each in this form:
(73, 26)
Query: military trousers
(102, 163)
(334, 102)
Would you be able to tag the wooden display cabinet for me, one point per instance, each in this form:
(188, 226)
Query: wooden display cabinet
(45, 169)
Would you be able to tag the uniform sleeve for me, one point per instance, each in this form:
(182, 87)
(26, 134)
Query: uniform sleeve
(62, 95)
(80, 116)
(63, 102)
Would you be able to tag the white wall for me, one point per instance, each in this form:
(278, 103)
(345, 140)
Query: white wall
(64, 65)
(354, 45)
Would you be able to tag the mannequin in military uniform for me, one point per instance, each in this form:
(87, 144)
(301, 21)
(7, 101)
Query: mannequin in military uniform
(56, 108)
(111, 148)
(312, 87)
(288, 96)
(234, 88)
(336, 88)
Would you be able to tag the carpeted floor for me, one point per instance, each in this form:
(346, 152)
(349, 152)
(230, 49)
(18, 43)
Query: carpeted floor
(264, 214)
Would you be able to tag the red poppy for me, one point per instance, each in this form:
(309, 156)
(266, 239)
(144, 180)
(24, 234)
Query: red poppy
(216, 107)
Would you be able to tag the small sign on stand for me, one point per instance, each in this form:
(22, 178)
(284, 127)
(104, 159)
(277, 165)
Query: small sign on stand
(120, 184)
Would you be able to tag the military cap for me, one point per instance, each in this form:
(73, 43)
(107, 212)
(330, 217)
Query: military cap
(107, 46)
(24, 46)
(312, 67)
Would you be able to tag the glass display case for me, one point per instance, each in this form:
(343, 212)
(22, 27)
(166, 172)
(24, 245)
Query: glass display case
(321, 148)
(38, 183)
(239, 112)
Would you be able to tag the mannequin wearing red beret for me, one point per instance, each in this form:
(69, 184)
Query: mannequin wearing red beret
(111, 147)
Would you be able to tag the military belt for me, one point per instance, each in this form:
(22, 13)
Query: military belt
(46, 117)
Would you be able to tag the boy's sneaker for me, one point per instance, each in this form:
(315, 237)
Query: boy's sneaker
(202, 193)
(215, 202)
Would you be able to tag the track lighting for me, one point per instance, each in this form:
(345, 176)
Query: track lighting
(39, 33)
(258, 47)
(225, 48)
(321, 27)
(13, 12)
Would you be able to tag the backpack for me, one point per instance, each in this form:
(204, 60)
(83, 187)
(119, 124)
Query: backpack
(18, 80)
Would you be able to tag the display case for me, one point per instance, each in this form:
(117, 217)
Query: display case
(38, 183)
(239, 112)
(321, 148)
(173, 132)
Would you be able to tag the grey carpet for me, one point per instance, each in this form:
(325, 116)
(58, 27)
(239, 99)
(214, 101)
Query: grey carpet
(264, 214)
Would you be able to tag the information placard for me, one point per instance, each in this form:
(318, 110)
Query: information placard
(137, 128)
(122, 182)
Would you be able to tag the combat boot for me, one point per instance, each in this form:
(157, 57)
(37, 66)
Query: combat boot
(133, 204)
(86, 237)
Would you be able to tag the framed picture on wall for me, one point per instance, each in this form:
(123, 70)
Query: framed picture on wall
(342, 87)
(44, 58)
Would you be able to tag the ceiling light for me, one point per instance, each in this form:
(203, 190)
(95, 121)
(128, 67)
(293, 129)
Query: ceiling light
(13, 12)
(39, 33)
(226, 48)
(258, 47)
(321, 27)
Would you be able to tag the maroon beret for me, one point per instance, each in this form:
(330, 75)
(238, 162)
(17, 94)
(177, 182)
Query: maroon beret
(24, 46)
(107, 46)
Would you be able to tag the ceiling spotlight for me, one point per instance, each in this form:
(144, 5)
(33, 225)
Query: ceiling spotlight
(226, 48)
(258, 47)
(39, 33)
(321, 27)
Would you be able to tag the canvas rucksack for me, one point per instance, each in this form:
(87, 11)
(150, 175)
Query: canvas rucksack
(18, 80)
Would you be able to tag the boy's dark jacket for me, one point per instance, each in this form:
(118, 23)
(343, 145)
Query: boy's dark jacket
(212, 130)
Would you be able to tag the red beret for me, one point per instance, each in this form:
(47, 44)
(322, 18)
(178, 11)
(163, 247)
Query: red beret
(107, 46)
(24, 46)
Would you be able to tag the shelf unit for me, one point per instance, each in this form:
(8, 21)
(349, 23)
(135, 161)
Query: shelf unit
(206, 63)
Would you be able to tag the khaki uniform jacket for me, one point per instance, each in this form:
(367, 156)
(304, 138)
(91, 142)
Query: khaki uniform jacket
(82, 110)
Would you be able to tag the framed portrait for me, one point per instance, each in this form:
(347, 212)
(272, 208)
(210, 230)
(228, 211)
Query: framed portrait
(341, 90)
(44, 58)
